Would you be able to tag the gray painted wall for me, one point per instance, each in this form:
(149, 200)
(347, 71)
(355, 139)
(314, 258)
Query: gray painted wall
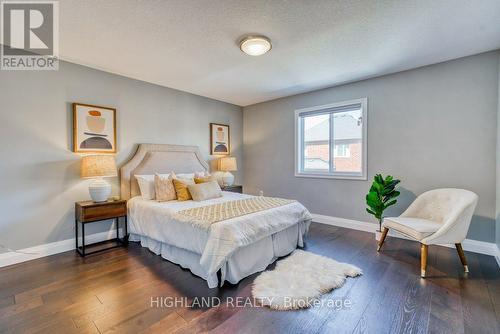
(498, 163)
(39, 176)
(431, 127)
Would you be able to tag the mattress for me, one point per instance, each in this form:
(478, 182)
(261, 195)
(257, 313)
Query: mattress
(157, 221)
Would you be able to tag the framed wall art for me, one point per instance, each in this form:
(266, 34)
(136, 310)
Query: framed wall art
(219, 139)
(94, 129)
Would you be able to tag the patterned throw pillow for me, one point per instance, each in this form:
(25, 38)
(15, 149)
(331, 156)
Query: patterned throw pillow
(164, 188)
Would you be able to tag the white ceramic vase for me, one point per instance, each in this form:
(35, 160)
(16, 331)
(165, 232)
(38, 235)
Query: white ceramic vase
(99, 190)
(227, 179)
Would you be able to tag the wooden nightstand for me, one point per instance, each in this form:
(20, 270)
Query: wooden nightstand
(88, 212)
(233, 189)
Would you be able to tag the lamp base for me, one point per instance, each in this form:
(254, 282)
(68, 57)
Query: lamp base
(99, 190)
(227, 179)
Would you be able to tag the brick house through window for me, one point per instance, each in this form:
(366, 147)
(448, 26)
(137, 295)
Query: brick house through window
(347, 150)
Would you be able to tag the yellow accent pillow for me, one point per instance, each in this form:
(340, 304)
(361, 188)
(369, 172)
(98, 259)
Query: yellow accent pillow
(181, 189)
(204, 179)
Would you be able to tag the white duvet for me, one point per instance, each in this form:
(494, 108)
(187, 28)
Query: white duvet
(156, 221)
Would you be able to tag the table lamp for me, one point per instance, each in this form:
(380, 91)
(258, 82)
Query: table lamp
(227, 165)
(97, 167)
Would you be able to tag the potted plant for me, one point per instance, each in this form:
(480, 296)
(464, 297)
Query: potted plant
(382, 195)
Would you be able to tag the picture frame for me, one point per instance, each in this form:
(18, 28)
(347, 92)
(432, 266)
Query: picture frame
(94, 129)
(220, 139)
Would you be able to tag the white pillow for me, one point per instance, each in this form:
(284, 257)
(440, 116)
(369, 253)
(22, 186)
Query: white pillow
(205, 190)
(201, 174)
(147, 185)
(192, 175)
(185, 176)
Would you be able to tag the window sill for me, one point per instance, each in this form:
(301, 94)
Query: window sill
(332, 176)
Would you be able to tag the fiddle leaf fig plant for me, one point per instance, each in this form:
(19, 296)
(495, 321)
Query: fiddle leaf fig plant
(382, 195)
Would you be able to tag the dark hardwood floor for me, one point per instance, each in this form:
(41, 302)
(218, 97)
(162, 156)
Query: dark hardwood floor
(112, 291)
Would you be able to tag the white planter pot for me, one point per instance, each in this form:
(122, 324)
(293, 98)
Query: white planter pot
(378, 233)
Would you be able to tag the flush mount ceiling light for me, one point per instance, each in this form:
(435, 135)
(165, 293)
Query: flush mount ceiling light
(255, 45)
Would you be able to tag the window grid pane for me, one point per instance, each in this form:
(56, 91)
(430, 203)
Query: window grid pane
(347, 141)
(316, 143)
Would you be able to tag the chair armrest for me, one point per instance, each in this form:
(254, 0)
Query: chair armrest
(454, 229)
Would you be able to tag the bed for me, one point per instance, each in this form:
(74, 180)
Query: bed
(228, 250)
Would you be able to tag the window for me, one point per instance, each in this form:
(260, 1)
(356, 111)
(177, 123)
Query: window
(331, 140)
(342, 151)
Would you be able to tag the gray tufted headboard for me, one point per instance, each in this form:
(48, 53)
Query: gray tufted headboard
(159, 158)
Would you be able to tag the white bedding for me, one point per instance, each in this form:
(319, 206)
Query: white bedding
(156, 220)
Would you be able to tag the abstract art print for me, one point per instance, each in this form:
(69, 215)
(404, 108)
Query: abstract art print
(94, 129)
(219, 139)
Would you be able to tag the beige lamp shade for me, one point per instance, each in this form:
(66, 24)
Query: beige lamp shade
(98, 166)
(228, 164)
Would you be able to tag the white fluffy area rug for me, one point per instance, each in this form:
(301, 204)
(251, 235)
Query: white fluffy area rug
(299, 280)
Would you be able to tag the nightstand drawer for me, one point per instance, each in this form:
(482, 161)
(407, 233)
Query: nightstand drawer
(100, 212)
(89, 212)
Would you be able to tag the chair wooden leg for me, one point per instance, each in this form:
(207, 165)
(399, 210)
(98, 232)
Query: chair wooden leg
(382, 238)
(423, 259)
(461, 254)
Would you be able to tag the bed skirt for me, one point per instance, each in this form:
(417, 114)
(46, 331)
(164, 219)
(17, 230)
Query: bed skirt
(242, 263)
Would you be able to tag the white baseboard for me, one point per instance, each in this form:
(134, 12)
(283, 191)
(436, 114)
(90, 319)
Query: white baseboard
(497, 257)
(347, 223)
(476, 246)
(31, 253)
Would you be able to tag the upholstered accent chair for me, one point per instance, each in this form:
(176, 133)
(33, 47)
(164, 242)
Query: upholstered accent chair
(440, 216)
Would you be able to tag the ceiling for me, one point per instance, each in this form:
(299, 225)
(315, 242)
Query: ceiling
(192, 45)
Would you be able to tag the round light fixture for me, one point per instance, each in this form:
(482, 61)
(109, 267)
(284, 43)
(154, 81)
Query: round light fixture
(255, 45)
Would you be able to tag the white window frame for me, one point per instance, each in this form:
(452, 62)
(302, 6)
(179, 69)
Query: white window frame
(299, 142)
